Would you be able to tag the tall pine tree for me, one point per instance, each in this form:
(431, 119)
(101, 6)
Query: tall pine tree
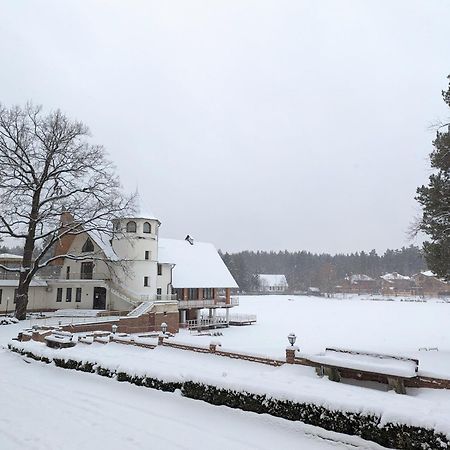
(435, 201)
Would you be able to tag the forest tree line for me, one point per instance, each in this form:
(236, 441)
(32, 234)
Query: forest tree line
(305, 269)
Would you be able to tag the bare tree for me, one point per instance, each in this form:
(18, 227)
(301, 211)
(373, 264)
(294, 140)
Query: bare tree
(48, 166)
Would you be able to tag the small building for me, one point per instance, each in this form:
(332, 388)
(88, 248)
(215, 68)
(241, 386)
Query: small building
(397, 284)
(272, 284)
(430, 285)
(360, 283)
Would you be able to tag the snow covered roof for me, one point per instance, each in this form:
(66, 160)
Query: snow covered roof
(196, 266)
(272, 279)
(10, 256)
(358, 277)
(427, 273)
(103, 241)
(35, 282)
(142, 211)
(394, 276)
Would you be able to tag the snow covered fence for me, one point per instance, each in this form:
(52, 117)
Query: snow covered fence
(368, 426)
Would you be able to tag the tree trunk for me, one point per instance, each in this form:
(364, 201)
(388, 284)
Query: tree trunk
(22, 297)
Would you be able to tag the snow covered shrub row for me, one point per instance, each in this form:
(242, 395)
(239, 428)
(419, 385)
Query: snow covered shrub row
(369, 427)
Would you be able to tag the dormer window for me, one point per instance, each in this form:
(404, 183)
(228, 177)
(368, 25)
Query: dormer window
(88, 246)
(147, 227)
(131, 227)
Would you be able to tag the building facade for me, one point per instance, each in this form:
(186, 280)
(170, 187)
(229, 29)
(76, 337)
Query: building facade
(132, 269)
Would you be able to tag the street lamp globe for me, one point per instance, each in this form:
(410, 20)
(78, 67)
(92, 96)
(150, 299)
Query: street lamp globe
(164, 327)
(292, 338)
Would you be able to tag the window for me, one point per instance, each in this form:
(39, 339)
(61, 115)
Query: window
(68, 273)
(146, 281)
(192, 294)
(147, 227)
(131, 227)
(68, 294)
(158, 291)
(147, 254)
(88, 246)
(59, 295)
(159, 269)
(87, 270)
(78, 295)
(207, 293)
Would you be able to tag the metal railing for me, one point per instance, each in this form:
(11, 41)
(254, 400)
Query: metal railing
(166, 297)
(206, 303)
(206, 322)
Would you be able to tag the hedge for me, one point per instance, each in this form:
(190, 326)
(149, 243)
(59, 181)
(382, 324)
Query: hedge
(369, 427)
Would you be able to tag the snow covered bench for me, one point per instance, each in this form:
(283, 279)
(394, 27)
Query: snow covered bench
(337, 363)
(60, 339)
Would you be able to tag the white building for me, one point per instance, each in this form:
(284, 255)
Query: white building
(133, 269)
(272, 283)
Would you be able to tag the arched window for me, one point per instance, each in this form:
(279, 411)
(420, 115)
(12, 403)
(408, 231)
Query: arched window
(131, 227)
(147, 227)
(88, 246)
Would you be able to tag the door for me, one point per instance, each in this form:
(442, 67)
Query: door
(99, 298)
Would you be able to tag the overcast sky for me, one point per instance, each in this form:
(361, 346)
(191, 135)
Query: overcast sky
(251, 124)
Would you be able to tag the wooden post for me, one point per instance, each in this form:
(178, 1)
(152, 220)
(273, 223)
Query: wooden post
(228, 297)
(397, 384)
(332, 373)
(185, 294)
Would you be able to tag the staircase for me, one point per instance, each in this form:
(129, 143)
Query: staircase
(140, 309)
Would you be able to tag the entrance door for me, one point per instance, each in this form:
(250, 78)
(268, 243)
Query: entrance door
(99, 298)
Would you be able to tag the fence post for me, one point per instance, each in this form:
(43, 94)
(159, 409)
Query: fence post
(290, 355)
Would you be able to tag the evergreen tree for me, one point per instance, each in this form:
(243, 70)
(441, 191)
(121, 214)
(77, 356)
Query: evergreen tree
(435, 201)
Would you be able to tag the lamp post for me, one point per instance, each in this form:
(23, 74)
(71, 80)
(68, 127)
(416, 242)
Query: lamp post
(292, 338)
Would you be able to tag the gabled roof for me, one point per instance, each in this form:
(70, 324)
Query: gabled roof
(196, 266)
(272, 279)
(358, 277)
(394, 276)
(103, 241)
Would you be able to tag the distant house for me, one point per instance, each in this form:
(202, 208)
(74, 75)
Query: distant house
(397, 284)
(361, 284)
(429, 284)
(272, 283)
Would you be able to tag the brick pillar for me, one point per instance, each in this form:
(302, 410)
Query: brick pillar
(228, 296)
(160, 340)
(290, 355)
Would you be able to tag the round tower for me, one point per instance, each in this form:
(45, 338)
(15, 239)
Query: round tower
(135, 241)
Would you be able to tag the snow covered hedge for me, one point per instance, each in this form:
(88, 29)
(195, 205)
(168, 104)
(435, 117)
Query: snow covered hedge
(369, 427)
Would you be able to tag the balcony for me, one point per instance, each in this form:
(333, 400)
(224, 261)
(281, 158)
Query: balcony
(166, 297)
(78, 276)
(219, 302)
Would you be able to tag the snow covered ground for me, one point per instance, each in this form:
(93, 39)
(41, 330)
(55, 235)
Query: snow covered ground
(393, 327)
(44, 407)
(132, 417)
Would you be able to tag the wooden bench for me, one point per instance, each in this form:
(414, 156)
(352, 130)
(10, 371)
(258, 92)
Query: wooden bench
(339, 363)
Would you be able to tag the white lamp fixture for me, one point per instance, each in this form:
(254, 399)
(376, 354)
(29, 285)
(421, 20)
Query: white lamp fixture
(292, 338)
(164, 327)
(114, 328)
